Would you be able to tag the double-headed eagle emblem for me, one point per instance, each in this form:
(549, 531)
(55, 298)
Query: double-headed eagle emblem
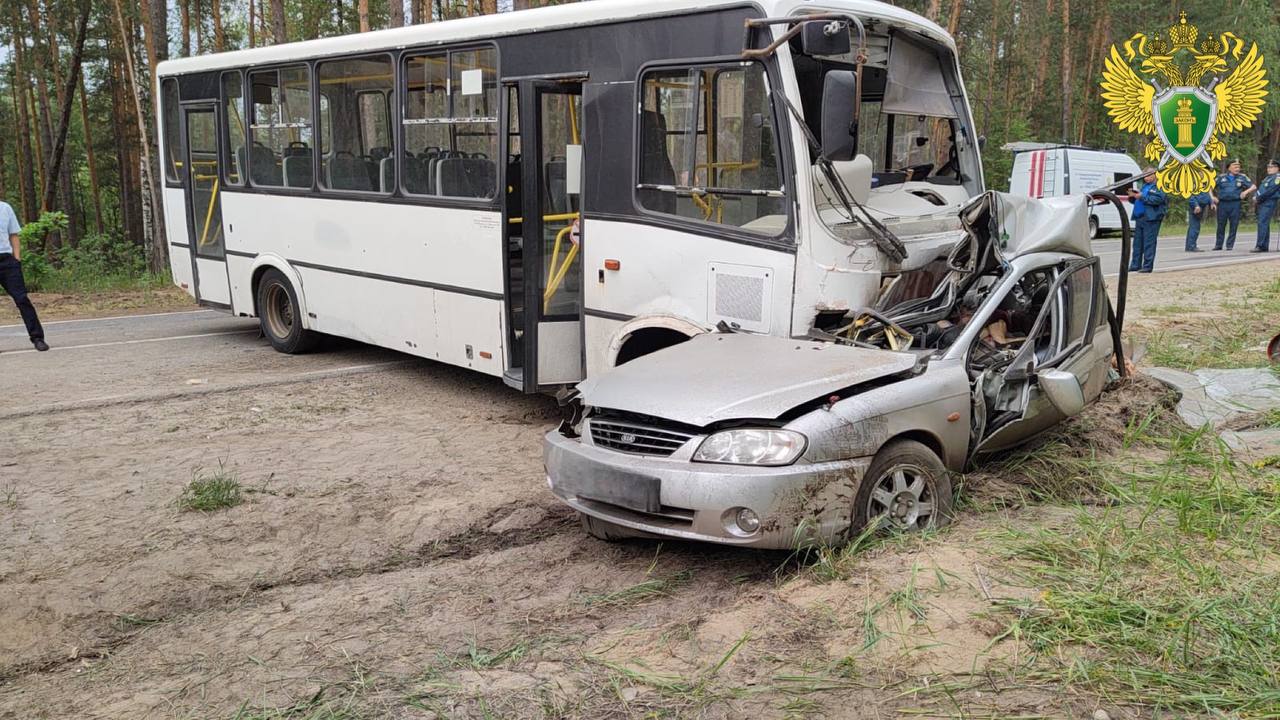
(1185, 110)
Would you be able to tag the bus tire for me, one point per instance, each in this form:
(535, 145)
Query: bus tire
(1094, 232)
(280, 315)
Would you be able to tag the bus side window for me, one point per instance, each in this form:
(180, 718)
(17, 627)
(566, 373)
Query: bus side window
(355, 142)
(450, 125)
(708, 150)
(281, 124)
(233, 127)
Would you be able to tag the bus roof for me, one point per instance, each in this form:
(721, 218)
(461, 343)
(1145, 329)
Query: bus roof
(532, 20)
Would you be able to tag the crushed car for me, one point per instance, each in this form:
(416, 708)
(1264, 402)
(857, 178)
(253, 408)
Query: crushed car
(776, 442)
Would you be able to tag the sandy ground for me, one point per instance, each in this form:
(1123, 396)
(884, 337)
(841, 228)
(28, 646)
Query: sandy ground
(398, 555)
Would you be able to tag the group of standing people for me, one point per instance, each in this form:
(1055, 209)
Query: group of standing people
(1230, 190)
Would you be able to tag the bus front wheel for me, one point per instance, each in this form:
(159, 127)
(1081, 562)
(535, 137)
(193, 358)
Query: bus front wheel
(281, 316)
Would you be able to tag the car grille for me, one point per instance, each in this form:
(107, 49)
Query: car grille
(647, 436)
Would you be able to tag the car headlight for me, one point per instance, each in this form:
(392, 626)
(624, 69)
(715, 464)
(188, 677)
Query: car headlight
(751, 446)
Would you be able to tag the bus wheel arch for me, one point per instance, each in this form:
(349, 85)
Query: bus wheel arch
(260, 268)
(281, 313)
(642, 336)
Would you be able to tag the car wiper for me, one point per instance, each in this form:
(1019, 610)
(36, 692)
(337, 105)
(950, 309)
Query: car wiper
(884, 238)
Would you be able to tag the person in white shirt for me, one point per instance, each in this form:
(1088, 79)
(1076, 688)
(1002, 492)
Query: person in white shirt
(11, 275)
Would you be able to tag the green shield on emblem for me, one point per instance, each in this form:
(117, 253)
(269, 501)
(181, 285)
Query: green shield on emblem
(1184, 118)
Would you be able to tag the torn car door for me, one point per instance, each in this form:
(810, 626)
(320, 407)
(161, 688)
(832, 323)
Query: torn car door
(1063, 337)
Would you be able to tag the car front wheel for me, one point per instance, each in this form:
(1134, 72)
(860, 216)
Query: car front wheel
(906, 489)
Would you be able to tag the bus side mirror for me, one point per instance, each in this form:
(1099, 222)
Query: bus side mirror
(839, 126)
(821, 37)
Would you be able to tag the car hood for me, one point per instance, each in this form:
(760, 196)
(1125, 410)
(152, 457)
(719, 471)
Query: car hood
(731, 376)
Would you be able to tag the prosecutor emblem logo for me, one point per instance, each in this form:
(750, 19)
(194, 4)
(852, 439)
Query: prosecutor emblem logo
(1190, 92)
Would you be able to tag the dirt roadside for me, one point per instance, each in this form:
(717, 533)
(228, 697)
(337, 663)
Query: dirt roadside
(398, 555)
(53, 306)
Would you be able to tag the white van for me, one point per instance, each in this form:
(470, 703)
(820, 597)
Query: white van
(1043, 170)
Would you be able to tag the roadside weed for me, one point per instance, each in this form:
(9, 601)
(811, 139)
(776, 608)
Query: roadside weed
(1167, 598)
(211, 490)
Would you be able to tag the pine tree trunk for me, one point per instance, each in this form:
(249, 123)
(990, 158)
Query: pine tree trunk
(219, 35)
(395, 13)
(158, 257)
(1066, 70)
(197, 25)
(65, 94)
(362, 10)
(253, 35)
(95, 189)
(26, 161)
(184, 11)
(277, 22)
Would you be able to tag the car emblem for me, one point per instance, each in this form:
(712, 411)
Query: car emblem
(628, 438)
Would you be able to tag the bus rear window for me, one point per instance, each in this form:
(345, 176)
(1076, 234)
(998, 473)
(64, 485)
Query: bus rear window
(172, 138)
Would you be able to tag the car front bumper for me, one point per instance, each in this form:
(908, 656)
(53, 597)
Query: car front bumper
(798, 505)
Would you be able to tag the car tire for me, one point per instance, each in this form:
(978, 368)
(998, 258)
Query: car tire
(1094, 231)
(279, 315)
(889, 490)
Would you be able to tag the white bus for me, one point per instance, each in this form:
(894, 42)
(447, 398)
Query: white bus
(543, 194)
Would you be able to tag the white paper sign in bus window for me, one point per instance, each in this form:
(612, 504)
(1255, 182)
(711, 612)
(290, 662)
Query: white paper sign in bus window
(472, 81)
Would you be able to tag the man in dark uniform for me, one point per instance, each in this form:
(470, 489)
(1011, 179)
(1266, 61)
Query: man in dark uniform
(1268, 194)
(1229, 189)
(1197, 208)
(1149, 206)
(11, 275)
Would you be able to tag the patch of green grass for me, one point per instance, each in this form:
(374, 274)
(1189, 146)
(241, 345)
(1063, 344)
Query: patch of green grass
(640, 592)
(211, 490)
(1235, 341)
(1168, 598)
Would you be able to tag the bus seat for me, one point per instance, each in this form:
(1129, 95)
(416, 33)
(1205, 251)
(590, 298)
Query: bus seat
(465, 177)
(263, 169)
(415, 175)
(387, 174)
(371, 167)
(238, 163)
(347, 172)
(379, 153)
(655, 163)
(297, 170)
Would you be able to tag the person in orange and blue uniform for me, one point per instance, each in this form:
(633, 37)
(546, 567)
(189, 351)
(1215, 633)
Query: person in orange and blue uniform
(1149, 206)
(1268, 194)
(1197, 208)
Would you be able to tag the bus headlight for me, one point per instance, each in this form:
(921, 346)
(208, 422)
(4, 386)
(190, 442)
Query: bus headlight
(751, 446)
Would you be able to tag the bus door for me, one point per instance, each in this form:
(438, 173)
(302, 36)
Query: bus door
(204, 206)
(548, 324)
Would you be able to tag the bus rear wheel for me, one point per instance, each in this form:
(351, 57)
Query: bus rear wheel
(280, 315)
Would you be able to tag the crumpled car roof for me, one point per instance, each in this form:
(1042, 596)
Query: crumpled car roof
(1025, 225)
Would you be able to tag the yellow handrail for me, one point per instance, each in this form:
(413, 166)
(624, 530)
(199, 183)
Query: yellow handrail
(208, 217)
(548, 218)
(555, 253)
(559, 278)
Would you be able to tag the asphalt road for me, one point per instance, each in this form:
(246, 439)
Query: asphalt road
(1171, 257)
(119, 359)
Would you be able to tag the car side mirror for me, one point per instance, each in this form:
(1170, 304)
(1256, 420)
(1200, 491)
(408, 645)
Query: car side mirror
(821, 37)
(839, 126)
(1063, 390)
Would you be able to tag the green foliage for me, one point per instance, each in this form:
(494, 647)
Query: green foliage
(97, 263)
(211, 490)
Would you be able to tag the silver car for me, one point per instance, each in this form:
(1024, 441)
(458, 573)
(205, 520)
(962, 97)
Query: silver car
(774, 442)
